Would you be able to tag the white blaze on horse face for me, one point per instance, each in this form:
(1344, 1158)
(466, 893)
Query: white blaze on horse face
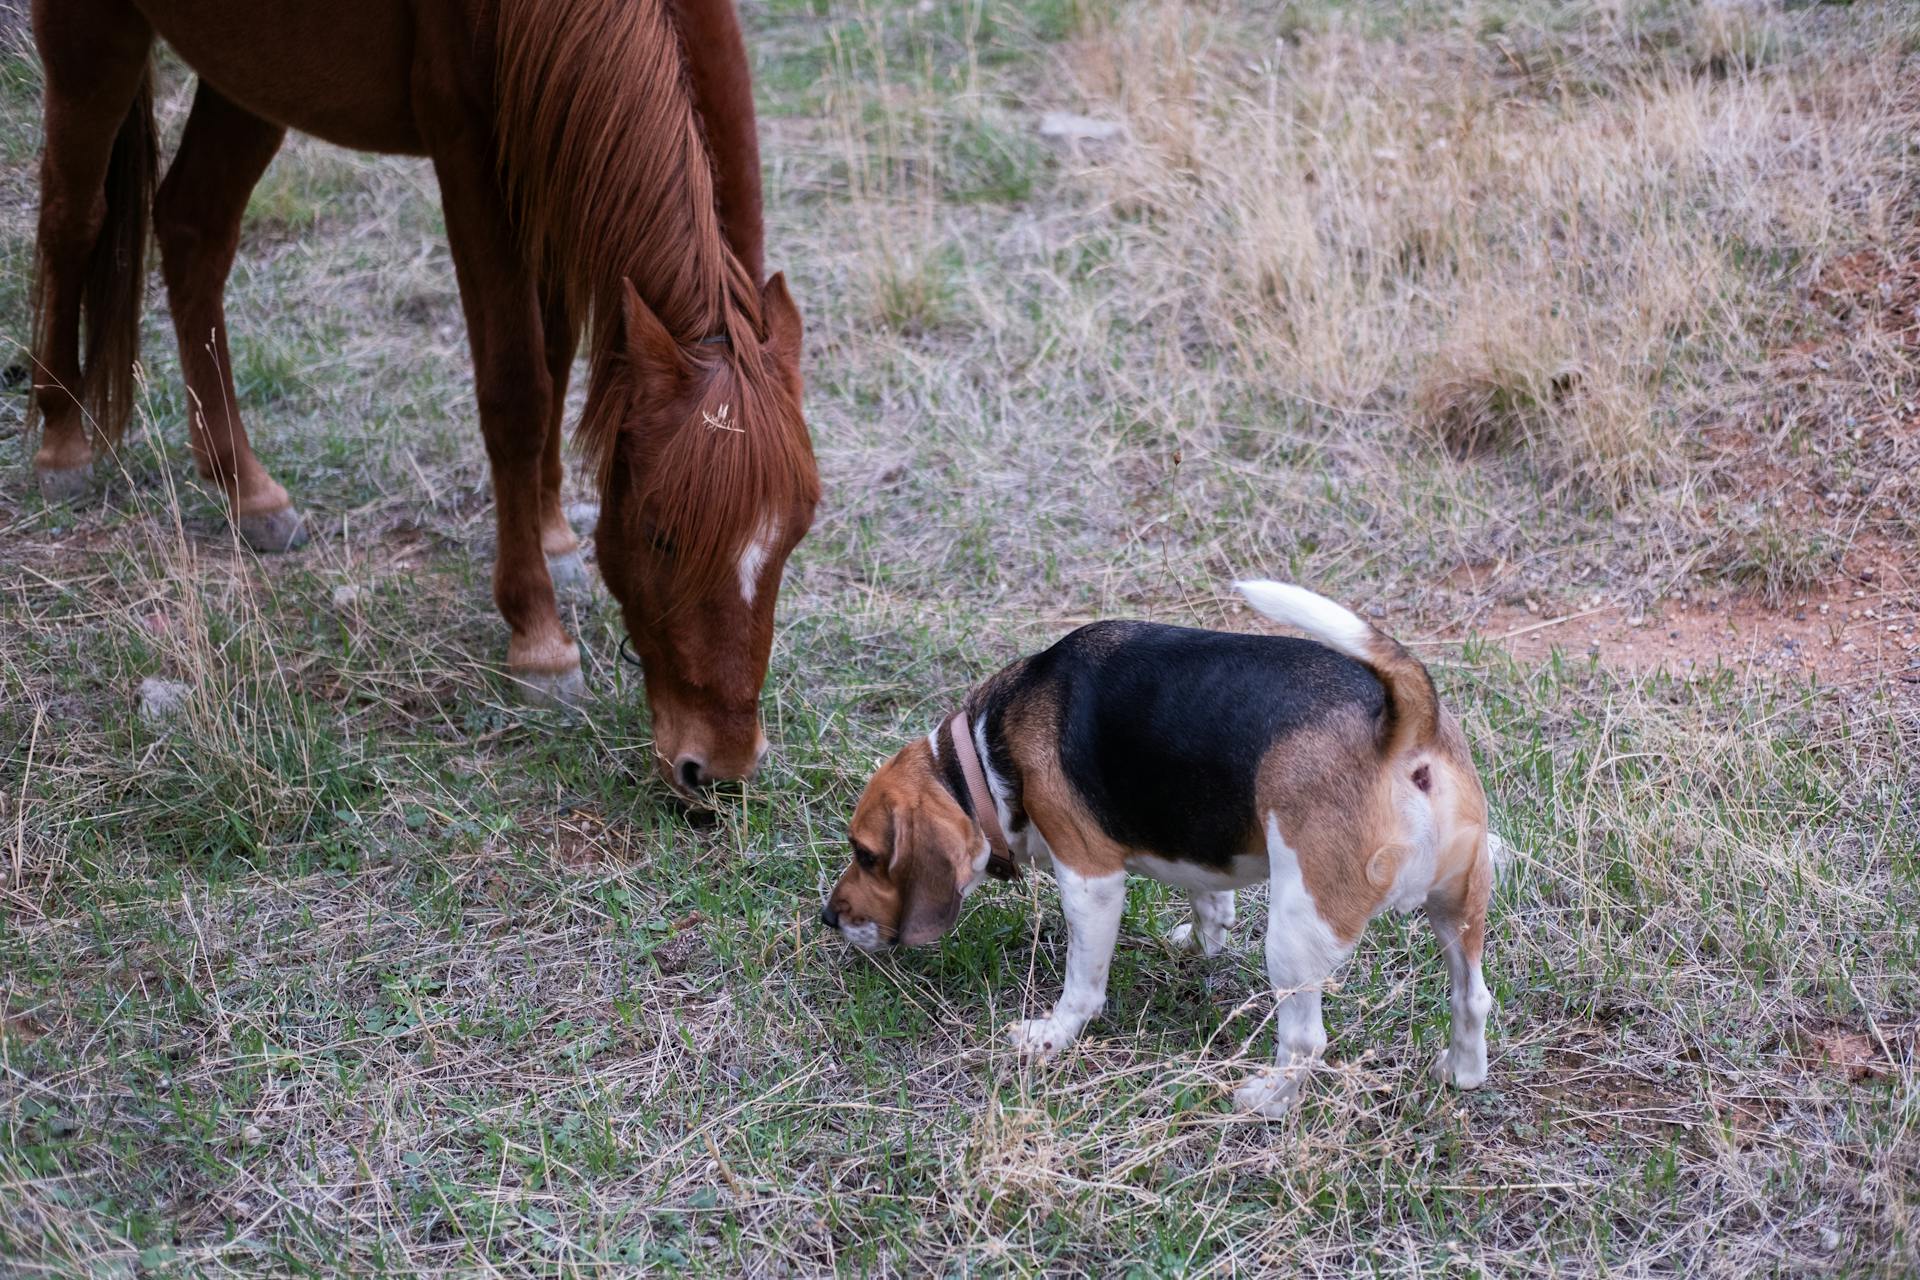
(754, 559)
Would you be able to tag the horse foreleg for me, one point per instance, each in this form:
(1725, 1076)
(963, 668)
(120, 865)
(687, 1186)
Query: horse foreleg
(499, 294)
(196, 218)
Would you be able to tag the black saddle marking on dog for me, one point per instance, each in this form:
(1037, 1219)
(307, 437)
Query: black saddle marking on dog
(1163, 729)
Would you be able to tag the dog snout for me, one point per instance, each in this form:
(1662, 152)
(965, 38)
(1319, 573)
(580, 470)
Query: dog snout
(829, 917)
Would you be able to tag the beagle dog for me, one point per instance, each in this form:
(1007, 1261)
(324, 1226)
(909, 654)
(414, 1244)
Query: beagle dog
(1207, 760)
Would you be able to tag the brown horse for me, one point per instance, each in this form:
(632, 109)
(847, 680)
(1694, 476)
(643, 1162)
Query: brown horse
(597, 162)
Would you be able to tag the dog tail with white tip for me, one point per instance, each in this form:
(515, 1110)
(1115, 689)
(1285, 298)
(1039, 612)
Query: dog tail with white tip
(1413, 707)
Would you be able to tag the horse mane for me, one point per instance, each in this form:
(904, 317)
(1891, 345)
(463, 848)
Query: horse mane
(605, 162)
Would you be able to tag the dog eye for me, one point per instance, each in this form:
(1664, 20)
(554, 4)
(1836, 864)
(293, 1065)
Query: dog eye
(866, 860)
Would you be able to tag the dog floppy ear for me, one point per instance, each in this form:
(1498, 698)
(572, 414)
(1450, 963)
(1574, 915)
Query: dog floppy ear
(926, 856)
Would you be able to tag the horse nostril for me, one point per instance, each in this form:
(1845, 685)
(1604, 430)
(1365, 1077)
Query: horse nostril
(828, 918)
(693, 773)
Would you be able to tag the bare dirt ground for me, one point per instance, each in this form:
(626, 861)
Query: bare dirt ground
(1846, 614)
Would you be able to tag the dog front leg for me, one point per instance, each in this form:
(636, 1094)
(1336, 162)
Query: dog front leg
(1093, 906)
(1207, 932)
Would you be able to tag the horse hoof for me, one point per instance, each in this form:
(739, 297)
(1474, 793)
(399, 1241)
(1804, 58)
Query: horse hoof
(563, 690)
(63, 484)
(281, 530)
(568, 571)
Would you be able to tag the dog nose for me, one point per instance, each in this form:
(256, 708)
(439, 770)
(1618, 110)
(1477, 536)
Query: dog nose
(829, 917)
(692, 772)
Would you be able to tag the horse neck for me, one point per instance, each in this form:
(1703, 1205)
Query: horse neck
(603, 157)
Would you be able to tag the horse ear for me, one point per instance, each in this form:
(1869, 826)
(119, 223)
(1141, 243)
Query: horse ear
(650, 348)
(783, 318)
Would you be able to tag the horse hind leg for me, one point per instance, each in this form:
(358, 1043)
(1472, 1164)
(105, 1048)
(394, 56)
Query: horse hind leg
(197, 216)
(95, 181)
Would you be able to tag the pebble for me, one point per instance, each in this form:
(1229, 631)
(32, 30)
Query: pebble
(1068, 127)
(346, 596)
(583, 516)
(162, 700)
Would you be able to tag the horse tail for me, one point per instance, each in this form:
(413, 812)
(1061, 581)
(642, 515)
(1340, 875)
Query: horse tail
(115, 282)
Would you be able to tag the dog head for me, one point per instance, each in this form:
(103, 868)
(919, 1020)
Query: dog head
(916, 854)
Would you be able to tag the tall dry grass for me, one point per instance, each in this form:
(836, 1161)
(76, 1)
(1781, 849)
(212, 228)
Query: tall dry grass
(1440, 229)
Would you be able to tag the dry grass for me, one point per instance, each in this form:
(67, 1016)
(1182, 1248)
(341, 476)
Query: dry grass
(360, 967)
(1442, 225)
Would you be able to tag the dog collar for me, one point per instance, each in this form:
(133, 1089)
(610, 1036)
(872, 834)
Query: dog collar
(1000, 863)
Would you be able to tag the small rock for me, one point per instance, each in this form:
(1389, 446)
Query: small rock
(1829, 1239)
(252, 1136)
(346, 596)
(583, 516)
(1068, 127)
(162, 700)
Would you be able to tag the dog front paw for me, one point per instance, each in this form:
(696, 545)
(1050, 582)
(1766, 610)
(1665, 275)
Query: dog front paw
(1193, 937)
(1460, 1068)
(1268, 1094)
(1040, 1037)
